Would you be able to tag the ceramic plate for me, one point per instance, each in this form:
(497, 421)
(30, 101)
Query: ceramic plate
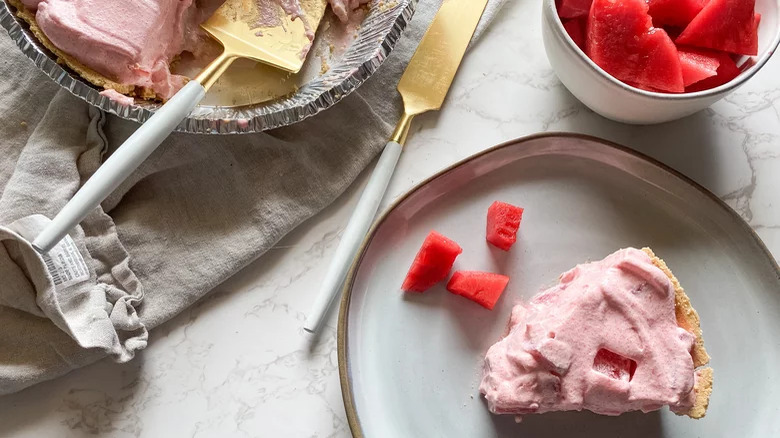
(411, 363)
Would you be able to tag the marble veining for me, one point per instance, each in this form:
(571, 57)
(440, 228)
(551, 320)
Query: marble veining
(238, 363)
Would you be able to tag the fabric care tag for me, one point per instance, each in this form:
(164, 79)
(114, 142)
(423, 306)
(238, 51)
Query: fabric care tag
(65, 264)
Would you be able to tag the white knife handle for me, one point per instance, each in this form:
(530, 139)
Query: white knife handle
(121, 164)
(359, 223)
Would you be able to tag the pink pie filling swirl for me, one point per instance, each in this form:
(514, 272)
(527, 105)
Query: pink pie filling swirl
(605, 339)
(131, 42)
(134, 41)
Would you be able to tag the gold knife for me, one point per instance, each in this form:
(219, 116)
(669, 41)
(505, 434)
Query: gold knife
(423, 88)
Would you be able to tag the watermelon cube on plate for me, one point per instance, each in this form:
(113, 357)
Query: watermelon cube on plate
(503, 221)
(674, 12)
(484, 288)
(433, 262)
(697, 65)
(621, 39)
(726, 25)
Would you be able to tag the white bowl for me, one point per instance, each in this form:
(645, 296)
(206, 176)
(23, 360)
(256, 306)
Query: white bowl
(618, 101)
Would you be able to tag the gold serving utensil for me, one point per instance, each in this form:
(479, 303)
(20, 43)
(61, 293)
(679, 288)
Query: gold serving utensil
(237, 25)
(244, 32)
(423, 87)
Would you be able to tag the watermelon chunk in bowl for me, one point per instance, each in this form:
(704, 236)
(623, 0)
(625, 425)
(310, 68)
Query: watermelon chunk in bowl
(573, 8)
(633, 102)
(576, 30)
(726, 72)
(432, 263)
(698, 65)
(621, 39)
(624, 39)
(726, 25)
(676, 13)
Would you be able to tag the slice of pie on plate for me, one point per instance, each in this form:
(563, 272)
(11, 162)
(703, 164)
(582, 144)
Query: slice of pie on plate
(612, 336)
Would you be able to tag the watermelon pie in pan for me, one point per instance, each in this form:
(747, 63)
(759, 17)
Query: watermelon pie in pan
(129, 57)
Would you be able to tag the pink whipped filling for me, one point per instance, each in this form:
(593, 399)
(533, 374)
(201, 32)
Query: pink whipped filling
(605, 339)
(133, 42)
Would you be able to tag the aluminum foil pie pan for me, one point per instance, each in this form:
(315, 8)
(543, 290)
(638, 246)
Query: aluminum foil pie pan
(373, 42)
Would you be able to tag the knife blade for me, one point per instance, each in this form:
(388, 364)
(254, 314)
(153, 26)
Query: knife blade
(430, 72)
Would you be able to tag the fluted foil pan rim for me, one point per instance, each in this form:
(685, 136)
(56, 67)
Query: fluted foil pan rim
(376, 39)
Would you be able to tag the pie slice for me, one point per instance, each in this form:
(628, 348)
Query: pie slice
(612, 336)
(130, 87)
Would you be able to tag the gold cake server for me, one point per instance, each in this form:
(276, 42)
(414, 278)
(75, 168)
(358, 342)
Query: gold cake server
(244, 32)
(423, 88)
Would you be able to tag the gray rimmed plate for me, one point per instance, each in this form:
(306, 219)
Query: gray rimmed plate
(378, 33)
(410, 364)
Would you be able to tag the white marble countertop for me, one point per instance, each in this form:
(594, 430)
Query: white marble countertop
(239, 363)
